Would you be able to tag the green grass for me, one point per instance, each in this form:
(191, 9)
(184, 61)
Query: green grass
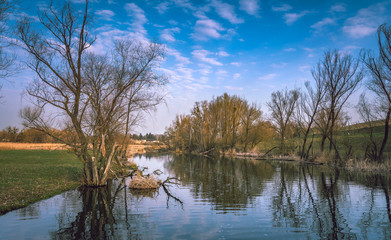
(27, 176)
(355, 136)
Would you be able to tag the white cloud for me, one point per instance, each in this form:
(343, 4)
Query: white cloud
(162, 7)
(339, 7)
(268, 77)
(226, 11)
(233, 88)
(237, 64)
(366, 21)
(236, 76)
(223, 54)
(202, 55)
(184, 4)
(325, 21)
(105, 14)
(173, 52)
(221, 74)
(289, 50)
(249, 6)
(204, 69)
(168, 34)
(207, 28)
(173, 22)
(308, 49)
(304, 68)
(138, 16)
(282, 8)
(279, 65)
(291, 18)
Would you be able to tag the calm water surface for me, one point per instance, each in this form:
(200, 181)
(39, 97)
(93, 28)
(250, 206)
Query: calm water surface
(221, 199)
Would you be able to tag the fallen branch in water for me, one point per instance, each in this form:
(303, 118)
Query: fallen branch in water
(169, 195)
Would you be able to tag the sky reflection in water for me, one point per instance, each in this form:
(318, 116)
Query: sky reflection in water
(222, 199)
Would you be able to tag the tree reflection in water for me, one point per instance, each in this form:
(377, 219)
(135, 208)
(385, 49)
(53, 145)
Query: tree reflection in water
(318, 202)
(96, 219)
(229, 184)
(314, 199)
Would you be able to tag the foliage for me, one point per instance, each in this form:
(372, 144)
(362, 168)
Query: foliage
(225, 123)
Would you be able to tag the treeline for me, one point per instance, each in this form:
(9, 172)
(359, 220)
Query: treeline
(14, 134)
(147, 137)
(302, 120)
(225, 123)
(26, 135)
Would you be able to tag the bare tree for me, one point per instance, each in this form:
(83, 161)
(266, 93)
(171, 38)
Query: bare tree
(310, 103)
(380, 82)
(370, 113)
(6, 61)
(342, 74)
(282, 106)
(249, 120)
(99, 97)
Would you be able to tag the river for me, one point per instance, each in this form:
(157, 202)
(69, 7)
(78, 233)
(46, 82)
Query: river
(216, 199)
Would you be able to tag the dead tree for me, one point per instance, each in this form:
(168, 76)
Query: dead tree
(98, 97)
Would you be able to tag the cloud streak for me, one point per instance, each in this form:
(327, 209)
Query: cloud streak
(251, 7)
(366, 21)
(202, 55)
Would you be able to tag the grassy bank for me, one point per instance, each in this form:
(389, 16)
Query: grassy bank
(27, 176)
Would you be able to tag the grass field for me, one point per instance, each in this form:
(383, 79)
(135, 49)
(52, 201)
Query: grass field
(351, 143)
(27, 176)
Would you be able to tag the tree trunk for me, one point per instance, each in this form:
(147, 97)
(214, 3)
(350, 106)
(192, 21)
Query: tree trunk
(385, 138)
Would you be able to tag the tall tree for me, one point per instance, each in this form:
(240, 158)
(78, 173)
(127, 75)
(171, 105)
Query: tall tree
(310, 104)
(342, 74)
(380, 82)
(98, 97)
(282, 106)
(6, 61)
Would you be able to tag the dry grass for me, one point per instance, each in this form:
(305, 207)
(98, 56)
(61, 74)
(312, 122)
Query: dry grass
(368, 166)
(140, 182)
(31, 146)
(132, 148)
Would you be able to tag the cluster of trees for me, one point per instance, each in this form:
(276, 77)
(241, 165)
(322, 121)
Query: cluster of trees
(297, 116)
(225, 123)
(14, 134)
(319, 109)
(147, 137)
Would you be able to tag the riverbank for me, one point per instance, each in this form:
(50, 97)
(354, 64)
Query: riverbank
(30, 172)
(27, 176)
(350, 164)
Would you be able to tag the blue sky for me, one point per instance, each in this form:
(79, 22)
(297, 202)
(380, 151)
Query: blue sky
(248, 47)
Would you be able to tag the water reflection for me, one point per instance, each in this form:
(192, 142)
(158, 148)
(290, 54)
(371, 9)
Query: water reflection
(96, 219)
(219, 198)
(229, 184)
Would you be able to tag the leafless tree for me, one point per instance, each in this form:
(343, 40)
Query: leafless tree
(6, 61)
(370, 113)
(250, 119)
(342, 74)
(99, 97)
(282, 106)
(380, 81)
(310, 104)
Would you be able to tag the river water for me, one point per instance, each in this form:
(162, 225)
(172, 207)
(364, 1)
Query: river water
(216, 199)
